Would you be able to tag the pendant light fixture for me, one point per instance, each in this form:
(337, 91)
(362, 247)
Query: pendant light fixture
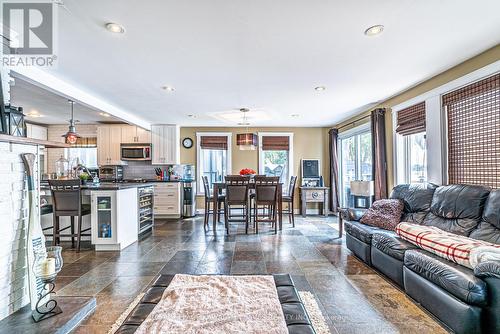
(246, 141)
(71, 136)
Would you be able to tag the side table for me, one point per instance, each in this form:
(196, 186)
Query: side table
(314, 195)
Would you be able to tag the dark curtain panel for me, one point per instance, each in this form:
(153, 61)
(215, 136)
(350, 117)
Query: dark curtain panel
(333, 135)
(379, 171)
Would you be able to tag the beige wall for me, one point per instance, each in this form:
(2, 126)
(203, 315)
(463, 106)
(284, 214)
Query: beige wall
(309, 143)
(490, 56)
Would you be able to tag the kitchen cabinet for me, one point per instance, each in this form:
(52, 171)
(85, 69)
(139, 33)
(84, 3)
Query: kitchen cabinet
(135, 134)
(108, 145)
(167, 199)
(165, 141)
(36, 131)
(114, 219)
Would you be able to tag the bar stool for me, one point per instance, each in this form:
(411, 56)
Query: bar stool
(288, 198)
(209, 199)
(67, 201)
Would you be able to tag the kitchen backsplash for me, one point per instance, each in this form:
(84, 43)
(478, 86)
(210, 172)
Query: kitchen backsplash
(140, 169)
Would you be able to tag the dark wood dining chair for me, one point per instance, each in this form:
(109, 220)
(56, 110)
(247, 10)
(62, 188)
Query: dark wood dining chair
(67, 201)
(237, 196)
(266, 196)
(288, 198)
(209, 198)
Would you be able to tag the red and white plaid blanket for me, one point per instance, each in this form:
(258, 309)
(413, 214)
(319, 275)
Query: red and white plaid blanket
(459, 249)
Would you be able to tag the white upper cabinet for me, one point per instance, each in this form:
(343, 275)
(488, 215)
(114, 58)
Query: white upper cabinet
(135, 134)
(165, 141)
(108, 145)
(36, 131)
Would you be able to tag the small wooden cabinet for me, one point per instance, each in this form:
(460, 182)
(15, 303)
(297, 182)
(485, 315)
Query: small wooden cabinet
(108, 145)
(135, 134)
(167, 199)
(165, 140)
(314, 195)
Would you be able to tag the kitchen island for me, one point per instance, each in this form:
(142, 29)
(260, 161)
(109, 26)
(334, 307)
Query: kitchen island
(119, 213)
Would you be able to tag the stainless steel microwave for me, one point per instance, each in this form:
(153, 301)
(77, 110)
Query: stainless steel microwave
(136, 151)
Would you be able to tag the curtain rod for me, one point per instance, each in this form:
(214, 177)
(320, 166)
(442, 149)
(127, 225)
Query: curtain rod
(354, 122)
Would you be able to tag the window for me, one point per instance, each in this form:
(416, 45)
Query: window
(84, 152)
(276, 155)
(411, 144)
(213, 157)
(355, 160)
(86, 156)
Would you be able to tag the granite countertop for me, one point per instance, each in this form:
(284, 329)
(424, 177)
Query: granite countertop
(115, 186)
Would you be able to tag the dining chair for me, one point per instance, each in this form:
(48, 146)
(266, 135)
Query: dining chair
(209, 198)
(236, 195)
(67, 201)
(288, 198)
(266, 195)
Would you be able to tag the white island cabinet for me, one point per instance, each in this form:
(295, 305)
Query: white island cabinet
(114, 218)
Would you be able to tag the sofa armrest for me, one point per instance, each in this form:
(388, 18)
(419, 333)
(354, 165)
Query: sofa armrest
(488, 269)
(350, 214)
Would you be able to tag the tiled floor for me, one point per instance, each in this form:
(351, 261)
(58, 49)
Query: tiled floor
(353, 297)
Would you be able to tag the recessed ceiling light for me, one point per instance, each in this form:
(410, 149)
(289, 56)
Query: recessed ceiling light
(320, 88)
(103, 114)
(168, 88)
(115, 28)
(191, 116)
(374, 30)
(34, 114)
(295, 115)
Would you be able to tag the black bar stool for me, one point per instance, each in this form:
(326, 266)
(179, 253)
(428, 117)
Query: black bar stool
(209, 199)
(67, 201)
(288, 198)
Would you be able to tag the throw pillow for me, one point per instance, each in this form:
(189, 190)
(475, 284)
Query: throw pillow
(384, 213)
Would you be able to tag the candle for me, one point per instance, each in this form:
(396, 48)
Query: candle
(48, 267)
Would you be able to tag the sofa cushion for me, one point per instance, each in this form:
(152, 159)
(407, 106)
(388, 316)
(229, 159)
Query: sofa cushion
(384, 213)
(389, 243)
(489, 228)
(454, 278)
(457, 208)
(417, 199)
(360, 231)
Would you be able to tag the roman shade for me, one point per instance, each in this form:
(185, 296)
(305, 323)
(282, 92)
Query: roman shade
(85, 142)
(275, 143)
(213, 142)
(411, 120)
(473, 114)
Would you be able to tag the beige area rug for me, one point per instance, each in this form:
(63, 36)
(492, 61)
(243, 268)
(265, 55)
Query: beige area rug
(317, 319)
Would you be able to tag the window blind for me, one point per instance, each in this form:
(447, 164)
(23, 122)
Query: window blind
(85, 142)
(474, 133)
(275, 143)
(411, 120)
(213, 142)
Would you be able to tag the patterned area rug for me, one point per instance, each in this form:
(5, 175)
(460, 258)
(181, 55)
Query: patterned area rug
(318, 320)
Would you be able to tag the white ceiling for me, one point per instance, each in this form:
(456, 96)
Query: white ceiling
(52, 108)
(266, 55)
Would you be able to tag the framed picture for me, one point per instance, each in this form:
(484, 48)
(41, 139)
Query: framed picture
(3, 125)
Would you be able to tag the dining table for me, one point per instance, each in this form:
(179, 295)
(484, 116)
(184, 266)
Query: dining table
(219, 186)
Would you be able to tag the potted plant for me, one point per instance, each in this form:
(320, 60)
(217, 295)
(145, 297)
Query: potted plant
(84, 178)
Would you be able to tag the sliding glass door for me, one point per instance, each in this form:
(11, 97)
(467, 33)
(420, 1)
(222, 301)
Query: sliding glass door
(355, 161)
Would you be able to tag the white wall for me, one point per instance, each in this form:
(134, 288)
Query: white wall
(14, 291)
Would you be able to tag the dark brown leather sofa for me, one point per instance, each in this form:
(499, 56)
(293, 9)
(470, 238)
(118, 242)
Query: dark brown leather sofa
(466, 301)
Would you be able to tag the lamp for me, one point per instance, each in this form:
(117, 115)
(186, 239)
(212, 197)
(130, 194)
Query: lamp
(363, 192)
(71, 136)
(246, 141)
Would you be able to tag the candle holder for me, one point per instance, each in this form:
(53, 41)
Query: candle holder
(46, 267)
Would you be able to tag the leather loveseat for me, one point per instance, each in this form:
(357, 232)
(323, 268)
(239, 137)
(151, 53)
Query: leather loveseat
(466, 301)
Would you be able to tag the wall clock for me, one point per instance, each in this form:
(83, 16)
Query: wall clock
(187, 142)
